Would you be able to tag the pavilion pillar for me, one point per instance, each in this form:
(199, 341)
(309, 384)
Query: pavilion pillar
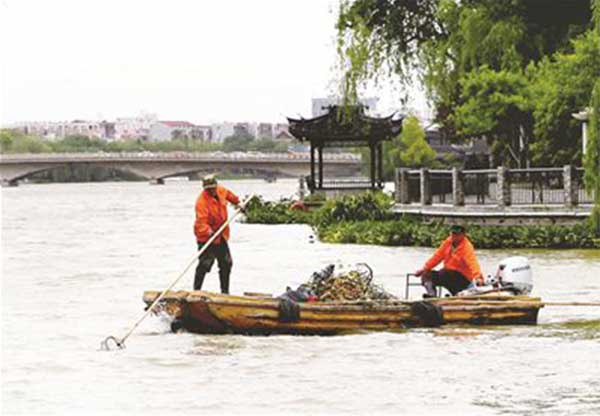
(373, 162)
(320, 167)
(311, 186)
(380, 165)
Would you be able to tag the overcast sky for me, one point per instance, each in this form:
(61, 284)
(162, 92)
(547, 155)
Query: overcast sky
(203, 61)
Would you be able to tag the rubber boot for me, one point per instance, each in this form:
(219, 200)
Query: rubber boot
(429, 289)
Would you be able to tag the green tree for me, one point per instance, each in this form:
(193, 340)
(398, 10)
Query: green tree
(238, 142)
(414, 150)
(6, 140)
(562, 84)
(14, 141)
(592, 154)
(496, 104)
(444, 42)
(78, 143)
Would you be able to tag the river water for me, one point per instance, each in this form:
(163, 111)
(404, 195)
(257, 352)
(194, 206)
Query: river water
(76, 259)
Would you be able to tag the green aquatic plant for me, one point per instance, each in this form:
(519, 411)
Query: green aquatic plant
(414, 232)
(259, 211)
(367, 219)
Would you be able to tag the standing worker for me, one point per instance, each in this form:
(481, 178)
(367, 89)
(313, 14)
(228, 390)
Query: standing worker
(461, 267)
(211, 213)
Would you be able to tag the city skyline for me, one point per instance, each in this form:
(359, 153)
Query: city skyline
(204, 62)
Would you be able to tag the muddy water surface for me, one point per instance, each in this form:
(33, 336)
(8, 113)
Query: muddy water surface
(76, 259)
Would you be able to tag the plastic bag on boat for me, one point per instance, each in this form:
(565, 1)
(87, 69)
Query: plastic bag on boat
(303, 294)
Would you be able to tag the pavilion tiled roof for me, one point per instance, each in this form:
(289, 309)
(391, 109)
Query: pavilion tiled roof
(340, 126)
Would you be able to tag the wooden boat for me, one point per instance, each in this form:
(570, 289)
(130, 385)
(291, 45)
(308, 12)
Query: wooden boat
(206, 312)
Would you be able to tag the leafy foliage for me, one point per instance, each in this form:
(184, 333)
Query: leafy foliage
(414, 150)
(563, 84)
(592, 154)
(259, 211)
(413, 232)
(366, 206)
(453, 46)
(16, 142)
(496, 104)
(408, 149)
(13, 141)
(367, 219)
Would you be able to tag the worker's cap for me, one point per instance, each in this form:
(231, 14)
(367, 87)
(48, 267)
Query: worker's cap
(209, 181)
(457, 229)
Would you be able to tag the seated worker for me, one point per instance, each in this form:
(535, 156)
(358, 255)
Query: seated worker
(460, 269)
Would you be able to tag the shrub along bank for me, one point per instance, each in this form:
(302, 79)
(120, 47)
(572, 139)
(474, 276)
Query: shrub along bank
(367, 219)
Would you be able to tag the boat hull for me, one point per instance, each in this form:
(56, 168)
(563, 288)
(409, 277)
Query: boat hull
(211, 313)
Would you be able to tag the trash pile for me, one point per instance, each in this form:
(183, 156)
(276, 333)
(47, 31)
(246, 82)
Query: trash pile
(352, 285)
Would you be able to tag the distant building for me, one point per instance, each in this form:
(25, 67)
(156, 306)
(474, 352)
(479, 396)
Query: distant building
(264, 131)
(284, 136)
(280, 128)
(244, 128)
(473, 153)
(54, 130)
(220, 131)
(134, 127)
(171, 130)
(439, 143)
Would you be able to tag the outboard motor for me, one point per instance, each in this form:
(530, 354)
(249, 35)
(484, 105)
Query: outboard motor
(515, 273)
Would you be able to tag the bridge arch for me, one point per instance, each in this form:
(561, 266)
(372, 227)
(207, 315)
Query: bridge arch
(16, 176)
(156, 166)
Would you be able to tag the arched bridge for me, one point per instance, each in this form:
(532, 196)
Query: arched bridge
(158, 166)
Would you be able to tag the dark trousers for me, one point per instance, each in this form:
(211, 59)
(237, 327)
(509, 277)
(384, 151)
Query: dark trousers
(452, 280)
(207, 259)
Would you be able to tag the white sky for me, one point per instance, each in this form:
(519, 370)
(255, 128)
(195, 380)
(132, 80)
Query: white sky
(203, 61)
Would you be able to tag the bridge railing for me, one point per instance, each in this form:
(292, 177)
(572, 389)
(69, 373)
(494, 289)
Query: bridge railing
(170, 156)
(502, 187)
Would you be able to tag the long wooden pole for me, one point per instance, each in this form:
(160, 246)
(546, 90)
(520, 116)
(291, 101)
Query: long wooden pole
(571, 303)
(121, 342)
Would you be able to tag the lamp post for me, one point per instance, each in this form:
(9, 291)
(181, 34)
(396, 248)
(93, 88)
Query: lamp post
(584, 117)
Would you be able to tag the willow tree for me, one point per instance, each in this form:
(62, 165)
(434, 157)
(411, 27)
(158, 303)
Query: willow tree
(452, 45)
(592, 154)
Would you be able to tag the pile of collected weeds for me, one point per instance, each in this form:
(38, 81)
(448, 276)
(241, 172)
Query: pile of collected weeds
(351, 285)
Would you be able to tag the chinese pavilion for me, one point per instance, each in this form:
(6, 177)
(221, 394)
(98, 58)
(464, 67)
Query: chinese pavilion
(345, 127)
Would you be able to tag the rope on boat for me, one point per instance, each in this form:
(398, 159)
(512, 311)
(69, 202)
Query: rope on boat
(120, 343)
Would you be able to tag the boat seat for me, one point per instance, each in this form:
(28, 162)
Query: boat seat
(410, 283)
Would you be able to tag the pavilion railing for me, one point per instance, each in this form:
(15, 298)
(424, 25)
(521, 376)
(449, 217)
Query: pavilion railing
(501, 186)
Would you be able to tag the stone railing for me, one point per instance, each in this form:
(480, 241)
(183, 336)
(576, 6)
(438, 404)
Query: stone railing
(501, 187)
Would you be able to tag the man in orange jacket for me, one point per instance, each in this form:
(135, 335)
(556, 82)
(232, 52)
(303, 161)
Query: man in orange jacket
(461, 267)
(211, 213)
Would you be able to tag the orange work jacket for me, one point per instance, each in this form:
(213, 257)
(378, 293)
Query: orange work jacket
(211, 213)
(461, 259)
